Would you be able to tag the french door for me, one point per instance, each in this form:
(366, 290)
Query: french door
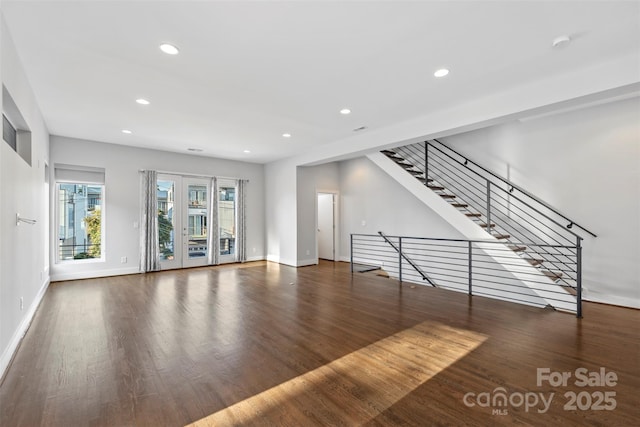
(183, 218)
(227, 216)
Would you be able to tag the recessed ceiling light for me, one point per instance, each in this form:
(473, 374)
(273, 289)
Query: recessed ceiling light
(169, 49)
(345, 111)
(246, 151)
(441, 72)
(286, 135)
(127, 131)
(561, 41)
(142, 101)
(196, 150)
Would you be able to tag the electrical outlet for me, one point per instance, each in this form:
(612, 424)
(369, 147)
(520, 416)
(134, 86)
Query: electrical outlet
(21, 303)
(123, 260)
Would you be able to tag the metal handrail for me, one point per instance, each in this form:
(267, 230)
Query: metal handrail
(474, 195)
(516, 187)
(468, 265)
(478, 189)
(411, 263)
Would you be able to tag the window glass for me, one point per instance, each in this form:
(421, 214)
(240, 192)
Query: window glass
(79, 221)
(227, 218)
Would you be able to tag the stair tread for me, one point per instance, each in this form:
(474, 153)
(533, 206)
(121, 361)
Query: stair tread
(459, 205)
(534, 261)
(448, 196)
(473, 214)
(404, 165)
(435, 187)
(421, 178)
(553, 275)
(484, 225)
(388, 152)
(517, 248)
(414, 172)
(501, 236)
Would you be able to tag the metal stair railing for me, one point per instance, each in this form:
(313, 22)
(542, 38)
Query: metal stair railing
(464, 265)
(504, 209)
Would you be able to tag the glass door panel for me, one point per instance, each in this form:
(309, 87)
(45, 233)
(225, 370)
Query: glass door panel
(196, 245)
(168, 191)
(227, 220)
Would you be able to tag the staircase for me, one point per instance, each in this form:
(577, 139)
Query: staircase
(538, 237)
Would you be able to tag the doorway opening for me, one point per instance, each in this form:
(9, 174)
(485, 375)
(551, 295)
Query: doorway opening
(326, 225)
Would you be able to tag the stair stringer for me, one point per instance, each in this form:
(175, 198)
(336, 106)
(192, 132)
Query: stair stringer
(545, 288)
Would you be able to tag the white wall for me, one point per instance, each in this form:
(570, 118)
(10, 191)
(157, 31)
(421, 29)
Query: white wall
(586, 163)
(122, 198)
(280, 212)
(311, 180)
(23, 271)
(369, 195)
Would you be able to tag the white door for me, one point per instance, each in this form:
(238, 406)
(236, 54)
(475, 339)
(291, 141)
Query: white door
(326, 226)
(183, 218)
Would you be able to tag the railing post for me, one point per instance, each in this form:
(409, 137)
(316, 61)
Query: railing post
(579, 277)
(400, 259)
(351, 253)
(489, 207)
(426, 163)
(470, 269)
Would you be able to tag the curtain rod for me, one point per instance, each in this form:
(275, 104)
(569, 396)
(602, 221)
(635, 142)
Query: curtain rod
(194, 175)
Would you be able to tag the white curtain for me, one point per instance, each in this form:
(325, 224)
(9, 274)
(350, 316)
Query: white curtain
(241, 237)
(214, 228)
(149, 245)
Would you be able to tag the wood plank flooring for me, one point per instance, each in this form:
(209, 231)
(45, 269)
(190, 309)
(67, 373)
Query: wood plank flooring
(265, 344)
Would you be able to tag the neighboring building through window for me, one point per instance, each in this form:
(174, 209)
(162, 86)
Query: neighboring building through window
(80, 221)
(80, 201)
(227, 219)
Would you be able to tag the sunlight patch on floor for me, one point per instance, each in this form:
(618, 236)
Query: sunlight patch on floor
(357, 387)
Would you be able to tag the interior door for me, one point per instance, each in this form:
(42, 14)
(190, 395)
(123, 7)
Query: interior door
(326, 226)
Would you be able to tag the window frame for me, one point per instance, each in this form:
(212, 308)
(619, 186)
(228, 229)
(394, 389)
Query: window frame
(56, 228)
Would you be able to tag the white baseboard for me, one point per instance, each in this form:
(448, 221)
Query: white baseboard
(22, 328)
(57, 277)
(612, 300)
(255, 258)
(277, 259)
(292, 263)
(344, 259)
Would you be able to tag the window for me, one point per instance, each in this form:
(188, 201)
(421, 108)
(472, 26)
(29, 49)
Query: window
(80, 197)
(15, 130)
(9, 133)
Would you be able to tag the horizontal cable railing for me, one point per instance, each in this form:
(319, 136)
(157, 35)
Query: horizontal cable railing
(487, 268)
(504, 210)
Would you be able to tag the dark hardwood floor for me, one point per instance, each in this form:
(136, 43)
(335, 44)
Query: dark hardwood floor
(265, 344)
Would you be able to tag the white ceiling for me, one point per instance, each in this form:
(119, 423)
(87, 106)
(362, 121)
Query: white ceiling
(249, 71)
